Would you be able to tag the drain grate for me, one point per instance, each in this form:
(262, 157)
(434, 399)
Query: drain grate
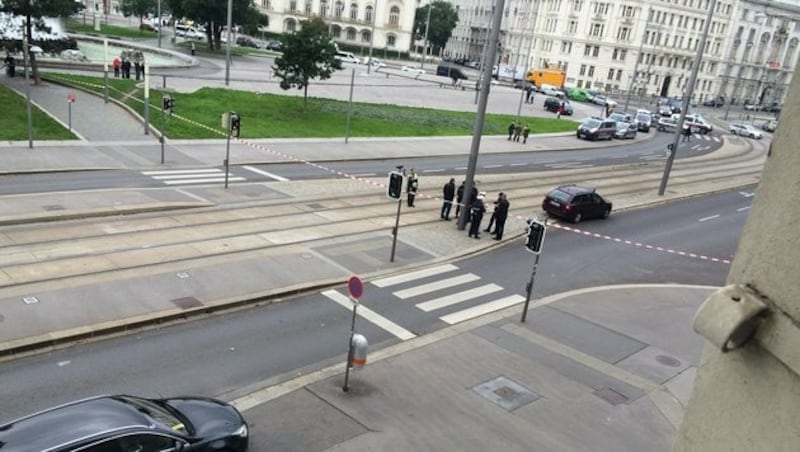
(668, 361)
(507, 393)
(53, 207)
(611, 396)
(187, 302)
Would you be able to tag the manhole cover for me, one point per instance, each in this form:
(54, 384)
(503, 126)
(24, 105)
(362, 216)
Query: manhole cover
(508, 394)
(53, 207)
(187, 302)
(668, 361)
(611, 396)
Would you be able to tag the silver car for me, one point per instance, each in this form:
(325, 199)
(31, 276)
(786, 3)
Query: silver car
(625, 130)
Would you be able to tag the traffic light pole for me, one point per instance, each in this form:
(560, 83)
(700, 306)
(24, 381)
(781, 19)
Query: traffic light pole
(228, 146)
(529, 286)
(396, 227)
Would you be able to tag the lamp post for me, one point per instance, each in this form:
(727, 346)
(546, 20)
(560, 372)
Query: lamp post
(228, 45)
(425, 41)
(372, 38)
(25, 51)
(158, 12)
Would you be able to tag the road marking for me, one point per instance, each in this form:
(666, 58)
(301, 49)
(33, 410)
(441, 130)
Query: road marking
(708, 218)
(436, 285)
(747, 194)
(518, 164)
(482, 309)
(371, 316)
(364, 175)
(569, 165)
(406, 277)
(455, 298)
(461, 168)
(695, 147)
(742, 209)
(265, 173)
(189, 176)
(194, 171)
(203, 181)
(433, 170)
(492, 166)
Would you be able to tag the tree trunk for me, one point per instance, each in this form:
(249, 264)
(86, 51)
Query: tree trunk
(305, 95)
(31, 56)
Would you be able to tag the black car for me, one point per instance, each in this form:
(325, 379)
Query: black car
(122, 423)
(244, 41)
(274, 45)
(644, 122)
(576, 203)
(553, 103)
(597, 129)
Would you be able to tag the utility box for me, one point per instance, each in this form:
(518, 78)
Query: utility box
(360, 345)
(225, 118)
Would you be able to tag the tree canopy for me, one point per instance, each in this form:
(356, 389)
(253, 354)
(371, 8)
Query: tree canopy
(214, 14)
(307, 54)
(137, 8)
(443, 20)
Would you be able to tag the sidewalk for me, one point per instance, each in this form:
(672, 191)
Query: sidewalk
(593, 369)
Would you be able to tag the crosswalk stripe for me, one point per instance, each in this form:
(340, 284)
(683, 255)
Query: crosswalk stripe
(406, 277)
(203, 181)
(458, 297)
(482, 309)
(187, 171)
(265, 173)
(188, 176)
(436, 285)
(371, 316)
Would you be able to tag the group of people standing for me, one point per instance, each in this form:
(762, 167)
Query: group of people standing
(517, 130)
(122, 64)
(475, 202)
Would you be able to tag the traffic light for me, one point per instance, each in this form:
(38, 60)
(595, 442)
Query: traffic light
(535, 238)
(167, 104)
(235, 124)
(395, 185)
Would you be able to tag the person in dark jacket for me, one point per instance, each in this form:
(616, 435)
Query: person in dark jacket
(11, 65)
(469, 200)
(494, 213)
(411, 188)
(511, 129)
(476, 210)
(500, 214)
(459, 197)
(448, 193)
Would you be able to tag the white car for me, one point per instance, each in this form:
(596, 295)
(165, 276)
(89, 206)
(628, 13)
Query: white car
(376, 63)
(752, 107)
(347, 57)
(746, 130)
(413, 69)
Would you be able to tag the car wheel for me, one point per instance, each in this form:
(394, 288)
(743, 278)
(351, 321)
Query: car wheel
(577, 218)
(606, 213)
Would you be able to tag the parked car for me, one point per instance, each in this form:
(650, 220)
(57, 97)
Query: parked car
(376, 63)
(416, 70)
(244, 41)
(523, 84)
(599, 99)
(745, 130)
(644, 121)
(347, 57)
(697, 122)
(623, 117)
(667, 124)
(770, 126)
(274, 45)
(553, 103)
(625, 130)
(147, 26)
(664, 110)
(551, 91)
(127, 423)
(578, 94)
(597, 129)
(576, 203)
(450, 71)
(752, 107)
(716, 103)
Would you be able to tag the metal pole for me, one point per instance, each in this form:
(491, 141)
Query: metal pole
(529, 287)
(228, 46)
(687, 100)
(228, 148)
(483, 62)
(146, 98)
(519, 108)
(345, 388)
(477, 130)
(25, 58)
(105, 70)
(372, 38)
(69, 116)
(636, 66)
(425, 41)
(158, 12)
(350, 105)
(396, 228)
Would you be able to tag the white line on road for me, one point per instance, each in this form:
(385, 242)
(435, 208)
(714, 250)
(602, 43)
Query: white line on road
(482, 309)
(433, 170)
(436, 285)
(461, 168)
(189, 176)
(747, 194)
(518, 164)
(193, 171)
(742, 209)
(203, 181)
(371, 316)
(364, 175)
(458, 297)
(406, 277)
(265, 173)
(492, 166)
(708, 218)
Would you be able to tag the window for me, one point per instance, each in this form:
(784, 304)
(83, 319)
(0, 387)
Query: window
(623, 33)
(366, 36)
(627, 11)
(619, 74)
(293, 6)
(610, 74)
(591, 71)
(291, 26)
(566, 47)
(308, 8)
(368, 14)
(596, 51)
(580, 84)
(391, 40)
(601, 8)
(394, 16)
(336, 31)
(338, 9)
(351, 34)
(572, 26)
(596, 30)
(323, 8)
(353, 11)
(577, 5)
(583, 70)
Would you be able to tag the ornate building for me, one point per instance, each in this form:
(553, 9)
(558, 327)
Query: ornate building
(352, 22)
(647, 47)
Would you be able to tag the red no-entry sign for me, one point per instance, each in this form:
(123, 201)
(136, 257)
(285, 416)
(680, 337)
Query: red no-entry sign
(70, 98)
(355, 286)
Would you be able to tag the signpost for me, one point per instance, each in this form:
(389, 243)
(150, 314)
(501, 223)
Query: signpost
(533, 243)
(356, 288)
(70, 101)
(395, 191)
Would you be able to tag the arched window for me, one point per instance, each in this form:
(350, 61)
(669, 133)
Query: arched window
(291, 25)
(323, 8)
(336, 31)
(308, 7)
(354, 11)
(351, 34)
(791, 53)
(394, 16)
(365, 36)
(368, 14)
(337, 11)
(391, 40)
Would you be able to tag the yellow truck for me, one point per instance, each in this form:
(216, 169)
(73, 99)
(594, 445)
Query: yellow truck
(552, 77)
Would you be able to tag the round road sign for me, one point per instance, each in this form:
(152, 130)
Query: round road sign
(355, 286)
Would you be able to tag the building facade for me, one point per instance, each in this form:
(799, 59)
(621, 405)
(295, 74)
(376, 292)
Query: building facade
(646, 47)
(352, 22)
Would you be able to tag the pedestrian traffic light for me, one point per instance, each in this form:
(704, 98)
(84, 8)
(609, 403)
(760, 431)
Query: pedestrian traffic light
(395, 185)
(535, 238)
(235, 124)
(167, 104)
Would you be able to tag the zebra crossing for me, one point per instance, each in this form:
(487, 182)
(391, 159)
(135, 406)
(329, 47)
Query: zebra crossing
(447, 292)
(192, 176)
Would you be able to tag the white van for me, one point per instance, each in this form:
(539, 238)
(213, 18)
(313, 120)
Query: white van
(347, 57)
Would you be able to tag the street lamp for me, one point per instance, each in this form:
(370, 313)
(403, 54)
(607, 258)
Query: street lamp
(26, 50)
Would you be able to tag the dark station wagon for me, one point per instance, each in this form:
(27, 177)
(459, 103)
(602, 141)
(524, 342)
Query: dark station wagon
(121, 423)
(576, 203)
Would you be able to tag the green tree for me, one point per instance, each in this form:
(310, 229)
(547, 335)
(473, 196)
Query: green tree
(33, 12)
(443, 20)
(307, 54)
(214, 15)
(138, 8)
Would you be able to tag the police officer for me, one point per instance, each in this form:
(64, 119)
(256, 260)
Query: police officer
(448, 193)
(477, 210)
(412, 186)
(500, 214)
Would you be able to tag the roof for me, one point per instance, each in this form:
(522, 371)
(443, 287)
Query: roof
(66, 424)
(575, 190)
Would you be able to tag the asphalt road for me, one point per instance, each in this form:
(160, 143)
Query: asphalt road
(489, 163)
(230, 354)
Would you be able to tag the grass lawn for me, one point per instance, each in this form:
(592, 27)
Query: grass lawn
(14, 120)
(77, 26)
(197, 114)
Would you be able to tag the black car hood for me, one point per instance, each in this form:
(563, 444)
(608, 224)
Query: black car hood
(209, 417)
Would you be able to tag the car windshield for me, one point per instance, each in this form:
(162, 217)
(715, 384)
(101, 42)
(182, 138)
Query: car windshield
(157, 412)
(642, 117)
(622, 125)
(559, 195)
(591, 123)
